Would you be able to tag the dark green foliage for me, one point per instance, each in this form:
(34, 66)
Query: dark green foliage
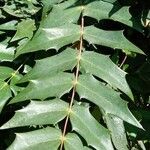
(74, 75)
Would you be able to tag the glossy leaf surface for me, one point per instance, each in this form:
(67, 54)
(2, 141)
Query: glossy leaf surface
(96, 64)
(39, 113)
(43, 88)
(107, 99)
(99, 137)
(45, 139)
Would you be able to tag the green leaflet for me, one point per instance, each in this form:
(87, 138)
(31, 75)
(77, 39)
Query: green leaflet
(95, 64)
(6, 54)
(106, 98)
(45, 139)
(62, 14)
(113, 39)
(116, 126)
(47, 5)
(111, 9)
(66, 60)
(11, 25)
(95, 134)
(38, 113)
(53, 86)
(5, 94)
(5, 72)
(73, 142)
(24, 30)
(52, 38)
(104, 10)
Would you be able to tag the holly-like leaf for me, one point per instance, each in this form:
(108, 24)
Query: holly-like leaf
(52, 86)
(52, 38)
(113, 39)
(24, 30)
(38, 113)
(116, 126)
(45, 139)
(95, 134)
(104, 10)
(61, 14)
(106, 98)
(95, 64)
(61, 62)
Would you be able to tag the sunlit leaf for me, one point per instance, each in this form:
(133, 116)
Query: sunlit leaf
(24, 30)
(48, 138)
(52, 86)
(38, 113)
